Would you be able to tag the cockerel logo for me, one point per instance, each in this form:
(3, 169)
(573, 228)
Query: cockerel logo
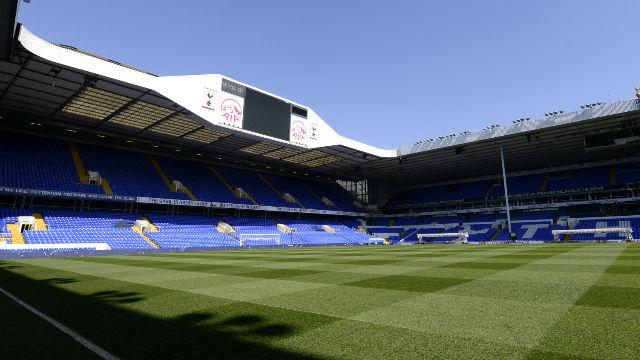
(208, 99)
(231, 111)
(298, 131)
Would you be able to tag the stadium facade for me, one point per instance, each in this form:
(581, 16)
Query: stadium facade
(94, 149)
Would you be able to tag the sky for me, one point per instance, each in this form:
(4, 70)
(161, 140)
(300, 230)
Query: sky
(387, 73)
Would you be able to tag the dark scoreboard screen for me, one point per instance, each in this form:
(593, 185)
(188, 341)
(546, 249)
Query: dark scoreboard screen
(266, 115)
(262, 113)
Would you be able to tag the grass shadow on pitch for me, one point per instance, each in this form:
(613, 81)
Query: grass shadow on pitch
(112, 318)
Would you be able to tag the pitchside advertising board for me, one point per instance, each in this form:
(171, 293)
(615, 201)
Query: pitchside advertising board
(244, 108)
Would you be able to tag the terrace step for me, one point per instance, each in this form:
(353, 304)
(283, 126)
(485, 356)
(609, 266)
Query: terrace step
(543, 186)
(152, 226)
(40, 224)
(231, 188)
(77, 160)
(493, 186)
(189, 194)
(329, 229)
(322, 199)
(222, 179)
(106, 187)
(283, 228)
(289, 199)
(160, 172)
(225, 228)
(16, 235)
(137, 230)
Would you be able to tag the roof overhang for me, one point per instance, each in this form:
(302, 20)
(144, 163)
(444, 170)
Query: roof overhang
(63, 85)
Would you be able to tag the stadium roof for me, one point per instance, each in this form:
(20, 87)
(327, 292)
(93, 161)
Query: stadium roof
(63, 85)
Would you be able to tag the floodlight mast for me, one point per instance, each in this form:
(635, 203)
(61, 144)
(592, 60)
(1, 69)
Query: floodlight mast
(506, 192)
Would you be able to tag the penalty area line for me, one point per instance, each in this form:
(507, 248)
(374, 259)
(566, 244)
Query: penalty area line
(77, 337)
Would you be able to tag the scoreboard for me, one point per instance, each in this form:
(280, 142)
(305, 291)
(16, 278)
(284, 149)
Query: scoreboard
(266, 115)
(255, 111)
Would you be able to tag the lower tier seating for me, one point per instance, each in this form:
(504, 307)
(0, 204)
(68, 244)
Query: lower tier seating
(69, 227)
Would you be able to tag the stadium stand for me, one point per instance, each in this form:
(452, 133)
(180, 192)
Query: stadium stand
(318, 232)
(252, 184)
(627, 173)
(9, 216)
(333, 192)
(153, 144)
(529, 230)
(129, 173)
(298, 191)
(525, 184)
(570, 180)
(632, 222)
(23, 165)
(198, 231)
(69, 227)
(201, 181)
(133, 174)
(188, 231)
(579, 179)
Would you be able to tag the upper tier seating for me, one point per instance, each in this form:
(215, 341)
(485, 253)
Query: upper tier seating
(524, 184)
(600, 176)
(334, 192)
(579, 179)
(129, 174)
(38, 163)
(628, 173)
(297, 189)
(451, 192)
(250, 182)
(200, 179)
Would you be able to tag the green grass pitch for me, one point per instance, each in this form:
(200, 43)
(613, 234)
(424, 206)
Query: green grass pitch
(562, 301)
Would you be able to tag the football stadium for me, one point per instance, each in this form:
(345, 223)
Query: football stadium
(200, 217)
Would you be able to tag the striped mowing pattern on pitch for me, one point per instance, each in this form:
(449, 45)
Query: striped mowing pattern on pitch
(536, 301)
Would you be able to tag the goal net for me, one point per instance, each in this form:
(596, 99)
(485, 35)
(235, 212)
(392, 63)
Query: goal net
(260, 239)
(457, 237)
(625, 232)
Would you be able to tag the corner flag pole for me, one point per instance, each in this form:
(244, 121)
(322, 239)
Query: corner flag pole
(506, 192)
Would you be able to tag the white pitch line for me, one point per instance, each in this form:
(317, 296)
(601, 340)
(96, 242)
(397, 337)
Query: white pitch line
(77, 337)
